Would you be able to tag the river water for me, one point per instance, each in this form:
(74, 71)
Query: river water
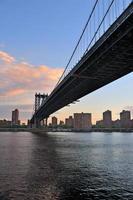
(66, 166)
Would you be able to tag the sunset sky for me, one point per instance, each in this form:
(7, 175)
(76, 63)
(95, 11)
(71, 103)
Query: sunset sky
(37, 38)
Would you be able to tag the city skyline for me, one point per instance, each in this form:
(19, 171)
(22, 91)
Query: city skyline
(100, 119)
(106, 116)
(83, 121)
(33, 55)
(77, 121)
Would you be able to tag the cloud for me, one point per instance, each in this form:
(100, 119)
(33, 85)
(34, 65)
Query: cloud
(21, 78)
(14, 92)
(5, 57)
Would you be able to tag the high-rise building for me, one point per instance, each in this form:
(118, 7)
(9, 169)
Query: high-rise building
(15, 117)
(82, 121)
(125, 119)
(107, 119)
(66, 121)
(54, 121)
(69, 122)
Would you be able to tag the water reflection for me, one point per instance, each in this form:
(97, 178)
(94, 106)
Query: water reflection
(66, 166)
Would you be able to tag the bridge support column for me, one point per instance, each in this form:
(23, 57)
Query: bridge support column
(37, 123)
(45, 122)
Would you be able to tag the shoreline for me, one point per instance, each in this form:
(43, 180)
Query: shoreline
(39, 130)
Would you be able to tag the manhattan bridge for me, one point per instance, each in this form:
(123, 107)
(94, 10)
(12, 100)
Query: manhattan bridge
(103, 53)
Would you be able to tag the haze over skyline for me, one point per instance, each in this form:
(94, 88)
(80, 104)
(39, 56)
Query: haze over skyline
(36, 42)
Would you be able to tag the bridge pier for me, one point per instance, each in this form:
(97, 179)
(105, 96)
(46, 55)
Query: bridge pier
(39, 123)
(36, 124)
(45, 122)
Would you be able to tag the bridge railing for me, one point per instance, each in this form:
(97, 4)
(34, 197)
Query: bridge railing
(104, 13)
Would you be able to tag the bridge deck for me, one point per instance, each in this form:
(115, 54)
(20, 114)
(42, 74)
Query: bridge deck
(109, 59)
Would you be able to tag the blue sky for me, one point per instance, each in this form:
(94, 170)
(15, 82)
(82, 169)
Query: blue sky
(43, 31)
(40, 36)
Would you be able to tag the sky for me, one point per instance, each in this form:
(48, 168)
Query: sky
(37, 38)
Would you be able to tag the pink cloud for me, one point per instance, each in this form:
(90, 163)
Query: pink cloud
(6, 57)
(15, 91)
(21, 77)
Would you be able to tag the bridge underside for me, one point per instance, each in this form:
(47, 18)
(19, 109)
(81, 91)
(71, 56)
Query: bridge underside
(109, 59)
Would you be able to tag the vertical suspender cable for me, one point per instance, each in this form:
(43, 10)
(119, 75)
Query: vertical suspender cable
(78, 41)
(100, 24)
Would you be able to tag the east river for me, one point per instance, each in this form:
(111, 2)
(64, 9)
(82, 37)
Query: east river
(66, 166)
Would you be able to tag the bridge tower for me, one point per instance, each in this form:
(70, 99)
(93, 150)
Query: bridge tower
(39, 101)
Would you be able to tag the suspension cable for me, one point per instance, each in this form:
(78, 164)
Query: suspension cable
(78, 41)
(100, 25)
